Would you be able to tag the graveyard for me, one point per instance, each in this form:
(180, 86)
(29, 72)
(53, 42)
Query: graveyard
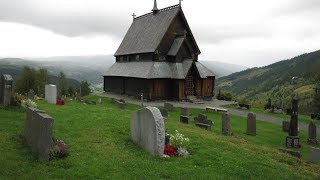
(100, 146)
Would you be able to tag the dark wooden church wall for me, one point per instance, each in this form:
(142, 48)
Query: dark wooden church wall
(136, 86)
(114, 84)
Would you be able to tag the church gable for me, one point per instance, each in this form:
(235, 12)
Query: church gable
(178, 41)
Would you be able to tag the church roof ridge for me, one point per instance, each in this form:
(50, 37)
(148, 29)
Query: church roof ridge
(160, 10)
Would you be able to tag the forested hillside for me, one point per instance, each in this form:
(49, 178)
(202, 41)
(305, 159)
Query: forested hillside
(279, 81)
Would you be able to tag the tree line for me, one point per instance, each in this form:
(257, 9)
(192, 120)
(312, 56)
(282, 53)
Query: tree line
(36, 80)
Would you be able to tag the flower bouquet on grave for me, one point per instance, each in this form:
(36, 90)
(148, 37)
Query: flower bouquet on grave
(178, 144)
(28, 103)
(58, 149)
(61, 102)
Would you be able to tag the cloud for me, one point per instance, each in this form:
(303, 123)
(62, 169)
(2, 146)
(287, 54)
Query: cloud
(66, 22)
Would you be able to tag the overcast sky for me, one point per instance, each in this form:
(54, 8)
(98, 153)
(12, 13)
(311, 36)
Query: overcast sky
(245, 32)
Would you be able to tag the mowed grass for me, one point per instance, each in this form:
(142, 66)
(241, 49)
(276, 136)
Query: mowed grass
(100, 148)
(301, 118)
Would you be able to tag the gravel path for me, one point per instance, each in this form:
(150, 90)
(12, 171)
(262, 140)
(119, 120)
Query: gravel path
(212, 103)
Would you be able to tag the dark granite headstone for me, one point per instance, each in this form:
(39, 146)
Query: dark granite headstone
(203, 122)
(184, 119)
(6, 86)
(113, 100)
(293, 139)
(168, 106)
(291, 152)
(312, 131)
(285, 126)
(38, 133)
(251, 124)
(121, 105)
(164, 112)
(314, 155)
(184, 111)
(226, 125)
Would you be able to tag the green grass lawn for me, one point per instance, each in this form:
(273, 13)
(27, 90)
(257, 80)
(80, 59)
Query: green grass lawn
(100, 147)
(301, 118)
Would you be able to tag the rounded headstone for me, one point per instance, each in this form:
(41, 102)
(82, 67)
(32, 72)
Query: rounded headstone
(148, 131)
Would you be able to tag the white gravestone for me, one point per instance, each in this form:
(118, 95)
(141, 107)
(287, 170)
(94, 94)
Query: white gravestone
(51, 93)
(147, 130)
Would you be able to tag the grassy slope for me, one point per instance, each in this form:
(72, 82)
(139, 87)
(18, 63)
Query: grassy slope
(100, 147)
(275, 81)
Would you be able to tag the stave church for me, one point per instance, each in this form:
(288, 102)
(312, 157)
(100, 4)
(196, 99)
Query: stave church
(159, 57)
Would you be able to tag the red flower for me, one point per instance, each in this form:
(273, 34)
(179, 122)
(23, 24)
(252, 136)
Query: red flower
(168, 150)
(61, 102)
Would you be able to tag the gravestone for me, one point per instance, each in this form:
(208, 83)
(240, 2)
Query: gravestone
(31, 94)
(184, 119)
(292, 140)
(113, 100)
(6, 86)
(122, 100)
(184, 111)
(164, 112)
(99, 101)
(168, 106)
(38, 133)
(226, 126)
(121, 105)
(148, 131)
(285, 126)
(203, 122)
(314, 155)
(291, 152)
(251, 124)
(51, 93)
(312, 131)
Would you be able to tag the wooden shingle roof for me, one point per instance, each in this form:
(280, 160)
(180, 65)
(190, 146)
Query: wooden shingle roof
(157, 70)
(147, 31)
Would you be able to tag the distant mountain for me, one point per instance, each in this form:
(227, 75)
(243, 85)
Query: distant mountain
(222, 69)
(80, 68)
(279, 81)
(13, 66)
(91, 68)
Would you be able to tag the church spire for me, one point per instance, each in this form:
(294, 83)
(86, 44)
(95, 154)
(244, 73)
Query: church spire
(155, 8)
